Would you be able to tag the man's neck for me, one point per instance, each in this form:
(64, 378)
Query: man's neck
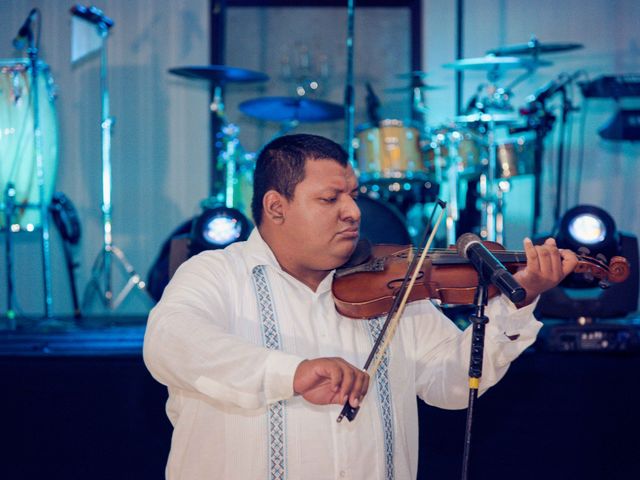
(311, 278)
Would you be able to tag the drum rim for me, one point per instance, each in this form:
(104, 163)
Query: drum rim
(363, 127)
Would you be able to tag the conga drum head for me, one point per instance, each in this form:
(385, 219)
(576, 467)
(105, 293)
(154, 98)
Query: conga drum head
(18, 162)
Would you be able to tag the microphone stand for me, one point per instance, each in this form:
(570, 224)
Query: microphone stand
(349, 94)
(478, 320)
(567, 107)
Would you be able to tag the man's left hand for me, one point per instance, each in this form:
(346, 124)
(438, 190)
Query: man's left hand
(547, 266)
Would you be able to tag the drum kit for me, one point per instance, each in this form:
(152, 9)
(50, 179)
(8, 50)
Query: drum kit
(405, 165)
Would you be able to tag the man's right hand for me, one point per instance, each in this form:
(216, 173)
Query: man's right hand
(323, 381)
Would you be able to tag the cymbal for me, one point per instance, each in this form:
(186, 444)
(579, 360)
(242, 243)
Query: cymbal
(413, 74)
(500, 118)
(282, 109)
(409, 88)
(534, 48)
(220, 74)
(491, 62)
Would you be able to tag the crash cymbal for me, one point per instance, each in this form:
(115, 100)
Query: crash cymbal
(534, 48)
(491, 62)
(220, 74)
(498, 118)
(282, 109)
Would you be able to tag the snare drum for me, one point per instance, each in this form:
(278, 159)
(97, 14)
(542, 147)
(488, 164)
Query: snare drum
(17, 157)
(390, 150)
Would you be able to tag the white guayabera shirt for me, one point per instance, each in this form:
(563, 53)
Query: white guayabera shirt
(228, 335)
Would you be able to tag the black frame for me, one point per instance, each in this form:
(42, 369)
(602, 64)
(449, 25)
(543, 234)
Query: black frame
(217, 21)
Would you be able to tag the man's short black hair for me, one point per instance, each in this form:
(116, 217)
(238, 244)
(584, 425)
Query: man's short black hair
(280, 165)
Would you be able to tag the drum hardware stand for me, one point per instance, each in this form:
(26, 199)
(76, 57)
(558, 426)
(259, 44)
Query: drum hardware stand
(9, 207)
(101, 273)
(33, 46)
(491, 227)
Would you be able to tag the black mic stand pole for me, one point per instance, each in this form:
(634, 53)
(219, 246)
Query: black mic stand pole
(566, 108)
(349, 95)
(478, 320)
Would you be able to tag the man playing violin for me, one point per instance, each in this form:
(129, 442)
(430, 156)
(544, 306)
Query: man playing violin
(258, 362)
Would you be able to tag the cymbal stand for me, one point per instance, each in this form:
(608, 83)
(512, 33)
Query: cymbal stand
(101, 273)
(491, 227)
(452, 178)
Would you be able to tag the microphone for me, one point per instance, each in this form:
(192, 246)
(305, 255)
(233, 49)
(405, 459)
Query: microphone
(25, 34)
(552, 87)
(92, 15)
(489, 267)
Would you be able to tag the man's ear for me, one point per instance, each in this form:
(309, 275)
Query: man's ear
(273, 204)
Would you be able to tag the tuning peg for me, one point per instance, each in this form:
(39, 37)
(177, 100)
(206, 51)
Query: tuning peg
(584, 251)
(602, 258)
(588, 276)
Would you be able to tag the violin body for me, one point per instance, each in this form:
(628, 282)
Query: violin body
(368, 290)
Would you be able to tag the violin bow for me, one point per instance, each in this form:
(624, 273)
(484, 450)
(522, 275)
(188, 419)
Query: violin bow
(393, 317)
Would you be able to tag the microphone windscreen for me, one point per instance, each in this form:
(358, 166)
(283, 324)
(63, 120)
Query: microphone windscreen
(464, 241)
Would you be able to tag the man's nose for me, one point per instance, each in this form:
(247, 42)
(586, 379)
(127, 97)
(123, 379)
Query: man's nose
(351, 211)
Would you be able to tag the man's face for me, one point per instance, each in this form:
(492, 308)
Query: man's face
(322, 219)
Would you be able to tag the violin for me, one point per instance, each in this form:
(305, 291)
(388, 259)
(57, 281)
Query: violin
(367, 287)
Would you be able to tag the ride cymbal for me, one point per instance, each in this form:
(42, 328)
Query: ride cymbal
(219, 74)
(282, 109)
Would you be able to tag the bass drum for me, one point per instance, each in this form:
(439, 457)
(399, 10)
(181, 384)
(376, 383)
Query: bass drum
(17, 156)
(381, 222)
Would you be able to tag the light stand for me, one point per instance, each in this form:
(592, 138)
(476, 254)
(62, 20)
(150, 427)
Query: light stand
(101, 273)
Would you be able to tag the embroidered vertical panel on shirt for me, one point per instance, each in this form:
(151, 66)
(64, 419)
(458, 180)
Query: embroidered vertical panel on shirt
(384, 398)
(276, 415)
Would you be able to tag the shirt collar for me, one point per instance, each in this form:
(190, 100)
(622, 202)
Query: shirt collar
(259, 253)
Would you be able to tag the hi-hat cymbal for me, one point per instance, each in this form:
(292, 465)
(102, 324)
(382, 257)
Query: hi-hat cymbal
(498, 118)
(534, 48)
(283, 109)
(220, 74)
(491, 62)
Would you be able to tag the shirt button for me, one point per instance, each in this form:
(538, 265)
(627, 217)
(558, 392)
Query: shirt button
(343, 473)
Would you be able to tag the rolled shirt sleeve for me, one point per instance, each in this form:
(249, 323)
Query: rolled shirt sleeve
(443, 350)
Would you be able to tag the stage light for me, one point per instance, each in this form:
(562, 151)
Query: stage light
(587, 227)
(589, 230)
(217, 228)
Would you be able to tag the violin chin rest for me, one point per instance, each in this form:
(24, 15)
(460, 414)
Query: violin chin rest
(360, 255)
